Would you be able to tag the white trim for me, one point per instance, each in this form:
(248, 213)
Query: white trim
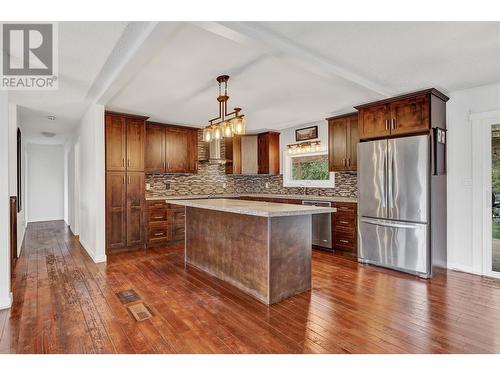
(7, 304)
(38, 219)
(96, 258)
(287, 165)
(461, 268)
(484, 115)
(481, 192)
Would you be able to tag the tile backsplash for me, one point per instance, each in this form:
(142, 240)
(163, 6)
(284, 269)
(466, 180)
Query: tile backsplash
(211, 179)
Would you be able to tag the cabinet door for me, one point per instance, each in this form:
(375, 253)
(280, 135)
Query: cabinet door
(337, 144)
(116, 203)
(374, 122)
(116, 146)
(410, 115)
(352, 143)
(155, 149)
(268, 157)
(135, 145)
(135, 204)
(192, 163)
(177, 150)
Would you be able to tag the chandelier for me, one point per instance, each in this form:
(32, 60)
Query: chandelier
(226, 124)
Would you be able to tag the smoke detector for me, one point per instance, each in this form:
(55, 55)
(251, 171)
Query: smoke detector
(48, 134)
(51, 117)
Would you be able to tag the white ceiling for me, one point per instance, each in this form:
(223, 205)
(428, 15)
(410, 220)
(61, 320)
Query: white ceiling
(282, 73)
(83, 49)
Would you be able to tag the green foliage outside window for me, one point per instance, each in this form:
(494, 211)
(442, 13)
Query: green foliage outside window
(310, 168)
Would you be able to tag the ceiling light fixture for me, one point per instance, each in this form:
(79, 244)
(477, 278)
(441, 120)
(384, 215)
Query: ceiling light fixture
(227, 124)
(299, 148)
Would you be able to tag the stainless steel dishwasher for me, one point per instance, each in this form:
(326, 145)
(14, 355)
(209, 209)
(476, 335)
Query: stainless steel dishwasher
(321, 225)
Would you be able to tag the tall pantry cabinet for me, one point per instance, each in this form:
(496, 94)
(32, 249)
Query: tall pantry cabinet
(125, 181)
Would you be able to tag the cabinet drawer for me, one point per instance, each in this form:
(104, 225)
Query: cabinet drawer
(344, 220)
(345, 208)
(158, 233)
(156, 214)
(178, 232)
(160, 204)
(344, 242)
(177, 215)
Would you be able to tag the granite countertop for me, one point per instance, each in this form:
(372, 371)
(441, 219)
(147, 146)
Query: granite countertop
(265, 209)
(284, 196)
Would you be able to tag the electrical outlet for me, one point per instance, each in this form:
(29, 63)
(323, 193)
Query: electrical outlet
(224, 185)
(148, 186)
(267, 185)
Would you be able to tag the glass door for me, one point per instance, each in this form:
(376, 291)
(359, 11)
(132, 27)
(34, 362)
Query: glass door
(495, 197)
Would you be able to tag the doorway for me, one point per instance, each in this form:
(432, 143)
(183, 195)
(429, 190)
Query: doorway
(486, 193)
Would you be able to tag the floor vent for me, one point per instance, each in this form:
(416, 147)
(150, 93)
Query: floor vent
(128, 296)
(140, 311)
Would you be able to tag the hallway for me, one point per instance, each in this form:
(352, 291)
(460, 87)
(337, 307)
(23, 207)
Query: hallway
(64, 303)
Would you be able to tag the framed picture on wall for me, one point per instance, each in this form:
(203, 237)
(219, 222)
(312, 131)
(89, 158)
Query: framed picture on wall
(306, 134)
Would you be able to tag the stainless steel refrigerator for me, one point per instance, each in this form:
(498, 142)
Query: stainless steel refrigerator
(402, 206)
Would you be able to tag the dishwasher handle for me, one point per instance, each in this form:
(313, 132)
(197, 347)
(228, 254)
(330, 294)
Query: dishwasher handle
(317, 203)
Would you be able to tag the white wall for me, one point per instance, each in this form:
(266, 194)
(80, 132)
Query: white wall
(287, 136)
(88, 194)
(45, 182)
(5, 294)
(460, 209)
(21, 216)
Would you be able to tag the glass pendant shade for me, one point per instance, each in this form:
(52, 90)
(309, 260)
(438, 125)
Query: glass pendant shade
(239, 125)
(207, 134)
(217, 132)
(228, 129)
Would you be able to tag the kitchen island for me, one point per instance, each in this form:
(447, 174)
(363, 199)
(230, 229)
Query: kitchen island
(262, 248)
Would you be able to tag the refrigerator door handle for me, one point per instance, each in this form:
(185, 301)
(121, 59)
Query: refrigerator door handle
(392, 224)
(384, 185)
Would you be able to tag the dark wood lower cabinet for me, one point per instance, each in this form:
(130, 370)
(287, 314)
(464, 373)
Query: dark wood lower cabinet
(344, 227)
(135, 208)
(116, 210)
(164, 223)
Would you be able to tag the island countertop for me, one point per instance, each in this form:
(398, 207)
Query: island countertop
(264, 209)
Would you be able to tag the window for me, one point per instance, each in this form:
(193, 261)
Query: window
(309, 169)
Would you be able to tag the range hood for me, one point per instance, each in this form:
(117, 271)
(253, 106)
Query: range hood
(213, 152)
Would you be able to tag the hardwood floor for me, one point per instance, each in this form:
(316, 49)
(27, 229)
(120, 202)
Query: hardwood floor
(64, 303)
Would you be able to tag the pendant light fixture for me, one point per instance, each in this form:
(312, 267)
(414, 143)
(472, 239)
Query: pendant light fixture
(227, 124)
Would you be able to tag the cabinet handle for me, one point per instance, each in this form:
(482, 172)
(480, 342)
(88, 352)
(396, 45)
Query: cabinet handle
(393, 123)
(128, 162)
(159, 234)
(164, 166)
(344, 241)
(348, 161)
(123, 162)
(129, 180)
(386, 124)
(123, 180)
(157, 217)
(343, 222)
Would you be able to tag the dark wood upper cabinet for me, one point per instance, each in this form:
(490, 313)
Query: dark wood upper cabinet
(343, 138)
(155, 149)
(116, 143)
(410, 115)
(374, 121)
(268, 153)
(171, 149)
(404, 114)
(135, 144)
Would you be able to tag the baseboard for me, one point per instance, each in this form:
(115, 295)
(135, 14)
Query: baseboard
(45, 219)
(461, 268)
(7, 302)
(96, 259)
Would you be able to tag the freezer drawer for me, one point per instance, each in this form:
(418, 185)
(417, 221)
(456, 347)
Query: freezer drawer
(399, 245)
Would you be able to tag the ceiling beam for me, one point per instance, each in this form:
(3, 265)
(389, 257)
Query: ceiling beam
(139, 43)
(251, 33)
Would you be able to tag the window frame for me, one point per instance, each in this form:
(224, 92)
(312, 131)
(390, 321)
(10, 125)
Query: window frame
(287, 172)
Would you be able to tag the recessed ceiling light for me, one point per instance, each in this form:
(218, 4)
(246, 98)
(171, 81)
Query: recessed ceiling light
(48, 134)
(51, 117)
